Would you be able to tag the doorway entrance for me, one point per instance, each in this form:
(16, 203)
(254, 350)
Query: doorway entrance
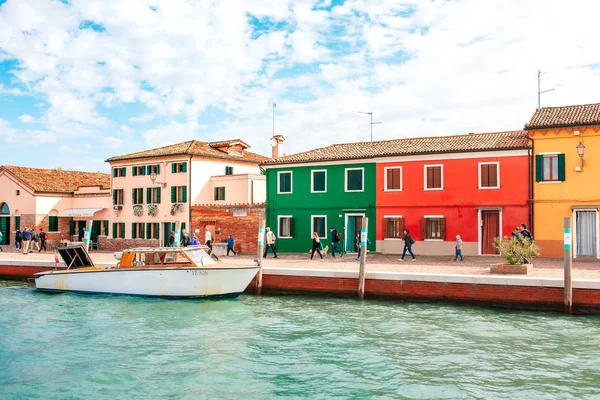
(353, 228)
(490, 229)
(168, 227)
(5, 223)
(586, 233)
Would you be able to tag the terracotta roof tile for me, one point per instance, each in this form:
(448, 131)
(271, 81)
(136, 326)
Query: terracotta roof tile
(399, 147)
(57, 180)
(555, 117)
(190, 148)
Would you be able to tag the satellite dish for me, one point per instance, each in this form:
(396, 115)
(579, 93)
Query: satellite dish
(273, 142)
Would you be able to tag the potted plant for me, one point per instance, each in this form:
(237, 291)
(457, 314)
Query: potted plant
(517, 252)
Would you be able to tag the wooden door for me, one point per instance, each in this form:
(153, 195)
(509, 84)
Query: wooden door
(490, 229)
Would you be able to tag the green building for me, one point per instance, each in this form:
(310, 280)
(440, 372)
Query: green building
(306, 195)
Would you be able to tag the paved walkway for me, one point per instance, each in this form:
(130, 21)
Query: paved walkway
(583, 268)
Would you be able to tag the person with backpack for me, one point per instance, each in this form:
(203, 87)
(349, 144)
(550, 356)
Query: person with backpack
(408, 243)
(194, 241)
(43, 239)
(270, 242)
(336, 238)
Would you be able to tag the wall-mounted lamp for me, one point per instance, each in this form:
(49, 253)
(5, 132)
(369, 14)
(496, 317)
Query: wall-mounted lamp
(153, 177)
(581, 151)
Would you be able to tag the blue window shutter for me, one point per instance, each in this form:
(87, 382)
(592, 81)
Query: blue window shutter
(561, 167)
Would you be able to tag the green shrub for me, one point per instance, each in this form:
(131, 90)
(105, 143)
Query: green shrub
(516, 251)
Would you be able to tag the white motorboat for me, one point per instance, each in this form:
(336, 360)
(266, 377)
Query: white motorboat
(171, 272)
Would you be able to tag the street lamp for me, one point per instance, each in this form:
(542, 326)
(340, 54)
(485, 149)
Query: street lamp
(581, 151)
(153, 177)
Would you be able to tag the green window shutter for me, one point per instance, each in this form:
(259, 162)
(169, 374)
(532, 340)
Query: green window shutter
(223, 192)
(183, 225)
(158, 195)
(561, 167)
(292, 227)
(539, 168)
(53, 224)
(157, 231)
(18, 222)
(173, 167)
(184, 167)
(114, 172)
(216, 193)
(184, 194)
(133, 230)
(173, 194)
(142, 231)
(115, 196)
(143, 171)
(133, 171)
(148, 195)
(123, 230)
(141, 195)
(123, 171)
(72, 228)
(105, 227)
(134, 196)
(114, 230)
(149, 230)
(157, 169)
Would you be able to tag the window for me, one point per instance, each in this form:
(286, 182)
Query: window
(137, 196)
(354, 179)
(178, 194)
(228, 170)
(433, 227)
(118, 196)
(152, 230)
(286, 226)
(52, 224)
(319, 225)
(220, 193)
(284, 182)
(393, 227)
(434, 177)
(105, 227)
(393, 179)
(550, 167)
(153, 195)
(138, 230)
(145, 169)
(118, 172)
(18, 192)
(118, 230)
(18, 222)
(489, 175)
(179, 167)
(318, 181)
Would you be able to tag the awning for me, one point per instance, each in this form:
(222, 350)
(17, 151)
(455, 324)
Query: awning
(79, 212)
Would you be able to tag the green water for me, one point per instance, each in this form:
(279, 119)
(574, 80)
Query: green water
(70, 346)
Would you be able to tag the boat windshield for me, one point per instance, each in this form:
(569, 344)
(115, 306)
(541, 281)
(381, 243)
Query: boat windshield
(198, 255)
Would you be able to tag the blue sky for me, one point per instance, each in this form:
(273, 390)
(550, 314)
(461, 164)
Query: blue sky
(84, 80)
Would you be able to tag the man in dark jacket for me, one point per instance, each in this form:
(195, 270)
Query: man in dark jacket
(42, 240)
(335, 240)
(18, 240)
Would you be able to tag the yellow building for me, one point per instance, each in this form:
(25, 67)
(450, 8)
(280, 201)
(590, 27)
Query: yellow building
(566, 147)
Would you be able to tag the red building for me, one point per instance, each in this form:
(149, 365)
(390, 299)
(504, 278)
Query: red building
(476, 186)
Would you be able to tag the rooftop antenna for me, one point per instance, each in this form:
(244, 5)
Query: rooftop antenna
(541, 91)
(274, 105)
(370, 123)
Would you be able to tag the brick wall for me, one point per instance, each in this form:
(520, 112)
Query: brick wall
(110, 244)
(222, 223)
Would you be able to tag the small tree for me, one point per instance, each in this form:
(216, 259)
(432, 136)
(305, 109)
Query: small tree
(515, 251)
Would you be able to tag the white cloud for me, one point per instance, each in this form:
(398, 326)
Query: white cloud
(26, 119)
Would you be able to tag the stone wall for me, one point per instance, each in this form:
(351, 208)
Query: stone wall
(109, 244)
(225, 220)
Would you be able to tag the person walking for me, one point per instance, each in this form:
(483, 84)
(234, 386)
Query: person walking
(43, 239)
(408, 243)
(525, 233)
(208, 239)
(316, 246)
(230, 245)
(171, 242)
(26, 239)
(270, 242)
(18, 239)
(458, 245)
(185, 239)
(336, 238)
(35, 240)
(360, 247)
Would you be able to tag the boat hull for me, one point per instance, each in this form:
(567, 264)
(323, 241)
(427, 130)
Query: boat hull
(169, 283)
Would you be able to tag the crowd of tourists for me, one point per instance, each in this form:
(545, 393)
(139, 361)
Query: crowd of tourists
(28, 240)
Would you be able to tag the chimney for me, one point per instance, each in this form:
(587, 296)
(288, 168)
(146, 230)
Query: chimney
(277, 146)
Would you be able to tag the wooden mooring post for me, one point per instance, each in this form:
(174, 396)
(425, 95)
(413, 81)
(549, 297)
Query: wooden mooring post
(568, 301)
(259, 256)
(363, 257)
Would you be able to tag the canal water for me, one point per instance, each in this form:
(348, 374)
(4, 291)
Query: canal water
(67, 346)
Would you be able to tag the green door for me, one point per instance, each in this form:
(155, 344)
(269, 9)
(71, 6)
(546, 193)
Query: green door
(5, 229)
(81, 230)
(167, 233)
(350, 228)
(95, 231)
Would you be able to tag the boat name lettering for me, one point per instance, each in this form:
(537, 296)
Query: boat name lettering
(201, 272)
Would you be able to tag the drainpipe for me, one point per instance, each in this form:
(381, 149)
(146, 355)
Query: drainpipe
(530, 178)
(190, 198)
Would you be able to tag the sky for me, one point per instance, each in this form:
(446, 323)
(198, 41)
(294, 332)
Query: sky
(84, 80)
